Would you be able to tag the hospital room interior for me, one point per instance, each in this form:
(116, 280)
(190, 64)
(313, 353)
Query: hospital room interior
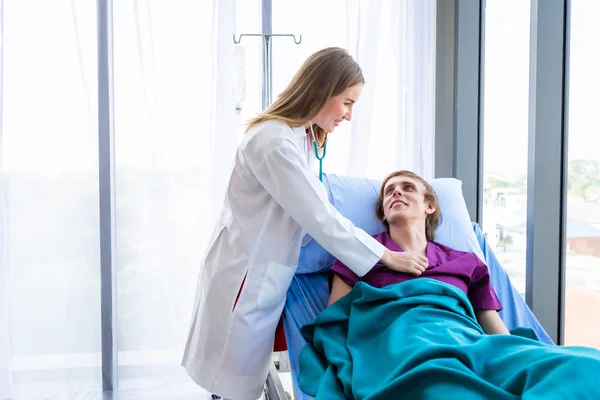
(119, 127)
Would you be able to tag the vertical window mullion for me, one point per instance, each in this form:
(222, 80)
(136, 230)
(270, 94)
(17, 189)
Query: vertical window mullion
(106, 155)
(546, 203)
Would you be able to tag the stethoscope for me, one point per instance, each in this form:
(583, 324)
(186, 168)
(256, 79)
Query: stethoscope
(316, 147)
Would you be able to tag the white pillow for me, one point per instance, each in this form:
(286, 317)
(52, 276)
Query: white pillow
(355, 198)
(455, 230)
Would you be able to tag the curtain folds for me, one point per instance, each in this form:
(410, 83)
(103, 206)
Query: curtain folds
(183, 92)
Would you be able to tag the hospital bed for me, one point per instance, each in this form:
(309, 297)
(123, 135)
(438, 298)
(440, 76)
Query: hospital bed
(355, 198)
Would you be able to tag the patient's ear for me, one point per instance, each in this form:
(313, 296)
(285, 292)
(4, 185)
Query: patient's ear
(430, 208)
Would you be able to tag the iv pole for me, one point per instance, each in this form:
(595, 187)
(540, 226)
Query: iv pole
(267, 61)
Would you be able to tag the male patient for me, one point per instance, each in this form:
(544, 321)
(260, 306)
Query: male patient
(433, 330)
(409, 208)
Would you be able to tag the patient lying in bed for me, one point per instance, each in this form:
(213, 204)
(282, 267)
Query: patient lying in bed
(410, 210)
(421, 333)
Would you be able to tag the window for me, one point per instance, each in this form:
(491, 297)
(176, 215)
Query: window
(582, 297)
(506, 105)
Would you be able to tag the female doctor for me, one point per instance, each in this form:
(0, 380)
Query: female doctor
(273, 199)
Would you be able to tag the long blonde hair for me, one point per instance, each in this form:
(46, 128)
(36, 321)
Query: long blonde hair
(326, 73)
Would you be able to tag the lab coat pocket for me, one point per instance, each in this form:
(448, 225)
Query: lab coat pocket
(275, 284)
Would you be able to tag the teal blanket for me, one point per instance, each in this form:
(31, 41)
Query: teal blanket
(420, 340)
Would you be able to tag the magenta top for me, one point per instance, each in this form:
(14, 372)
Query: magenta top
(458, 268)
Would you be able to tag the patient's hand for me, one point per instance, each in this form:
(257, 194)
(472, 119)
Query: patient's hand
(408, 262)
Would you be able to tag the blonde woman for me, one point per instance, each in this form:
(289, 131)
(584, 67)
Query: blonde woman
(273, 199)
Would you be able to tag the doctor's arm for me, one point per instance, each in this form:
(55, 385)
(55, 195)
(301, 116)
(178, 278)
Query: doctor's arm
(282, 170)
(284, 173)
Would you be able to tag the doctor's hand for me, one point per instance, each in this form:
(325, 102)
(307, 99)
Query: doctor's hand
(408, 262)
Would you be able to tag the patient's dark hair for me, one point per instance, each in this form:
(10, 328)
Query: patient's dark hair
(432, 221)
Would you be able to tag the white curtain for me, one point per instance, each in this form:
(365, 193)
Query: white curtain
(394, 43)
(176, 87)
(49, 258)
(5, 373)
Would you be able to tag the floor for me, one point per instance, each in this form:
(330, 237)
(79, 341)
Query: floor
(183, 390)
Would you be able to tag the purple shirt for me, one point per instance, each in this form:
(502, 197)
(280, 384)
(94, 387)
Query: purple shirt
(458, 268)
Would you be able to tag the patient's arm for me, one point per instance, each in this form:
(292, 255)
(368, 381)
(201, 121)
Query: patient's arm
(490, 321)
(339, 289)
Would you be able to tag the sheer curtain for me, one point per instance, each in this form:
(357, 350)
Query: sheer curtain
(177, 83)
(49, 178)
(5, 375)
(176, 132)
(394, 42)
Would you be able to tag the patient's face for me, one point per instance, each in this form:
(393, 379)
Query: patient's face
(404, 200)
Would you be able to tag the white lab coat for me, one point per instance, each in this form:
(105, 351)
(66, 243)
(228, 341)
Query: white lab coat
(272, 200)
